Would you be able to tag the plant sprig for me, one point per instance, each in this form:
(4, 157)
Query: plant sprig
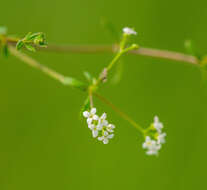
(31, 40)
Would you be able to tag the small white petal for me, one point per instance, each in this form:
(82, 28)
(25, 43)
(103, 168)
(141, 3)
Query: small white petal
(105, 133)
(105, 141)
(144, 145)
(110, 130)
(86, 114)
(89, 120)
(110, 136)
(104, 122)
(95, 117)
(99, 127)
(156, 119)
(152, 152)
(93, 110)
(103, 116)
(129, 31)
(91, 126)
(100, 138)
(95, 133)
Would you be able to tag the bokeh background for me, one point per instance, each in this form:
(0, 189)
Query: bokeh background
(44, 144)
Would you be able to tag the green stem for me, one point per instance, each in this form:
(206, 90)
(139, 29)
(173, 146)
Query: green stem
(55, 75)
(116, 58)
(121, 113)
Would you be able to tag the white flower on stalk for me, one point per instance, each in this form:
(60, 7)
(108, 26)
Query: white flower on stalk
(90, 115)
(95, 129)
(129, 31)
(157, 124)
(153, 150)
(105, 138)
(110, 128)
(99, 126)
(151, 146)
(161, 138)
(148, 143)
(156, 138)
(102, 121)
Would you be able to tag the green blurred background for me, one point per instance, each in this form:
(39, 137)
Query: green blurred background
(44, 144)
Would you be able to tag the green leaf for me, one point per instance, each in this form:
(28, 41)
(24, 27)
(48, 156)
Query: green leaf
(30, 47)
(3, 30)
(88, 76)
(118, 73)
(5, 50)
(31, 36)
(74, 83)
(19, 45)
(86, 106)
(40, 39)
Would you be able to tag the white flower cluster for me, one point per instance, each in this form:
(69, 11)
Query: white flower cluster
(129, 31)
(153, 146)
(99, 126)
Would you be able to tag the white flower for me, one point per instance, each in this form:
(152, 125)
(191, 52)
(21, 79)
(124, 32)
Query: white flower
(105, 138)
(110, 128)
(129, 31)
(95, 129)
(161, 138)
(148, 142)
(151, 146)
(157, 124)
(102, 121)
(90, 115)
(99, 126)
(153, 150)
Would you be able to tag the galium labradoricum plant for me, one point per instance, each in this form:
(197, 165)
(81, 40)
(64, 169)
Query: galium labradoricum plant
(98, 124)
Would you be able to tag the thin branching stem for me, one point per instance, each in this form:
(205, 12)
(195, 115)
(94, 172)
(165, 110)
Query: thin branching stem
(121, 113)
(143, 51)
(35, 64)
(94, 49)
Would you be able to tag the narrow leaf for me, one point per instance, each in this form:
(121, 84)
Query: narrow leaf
(3, 30)
(19, 44)
(85, 107)
(74, 83)
(30, 47)
(88, 76)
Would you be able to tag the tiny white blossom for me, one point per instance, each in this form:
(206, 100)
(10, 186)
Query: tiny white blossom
(129, 31)
(95, 129)
(99, 126)
(151, 146)
(157, 124)
(161, 138)
(90, 115)
(105, 138)
(102, 121)
(110, 128)
(153, 150)
(148, 142)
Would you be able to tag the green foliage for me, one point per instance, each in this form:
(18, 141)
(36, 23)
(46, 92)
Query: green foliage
(3, 44)
(118, 72)
(74, 83)
(5, 50)
(31, 40)
(86, 106)
(3, 30)
(88, 76)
